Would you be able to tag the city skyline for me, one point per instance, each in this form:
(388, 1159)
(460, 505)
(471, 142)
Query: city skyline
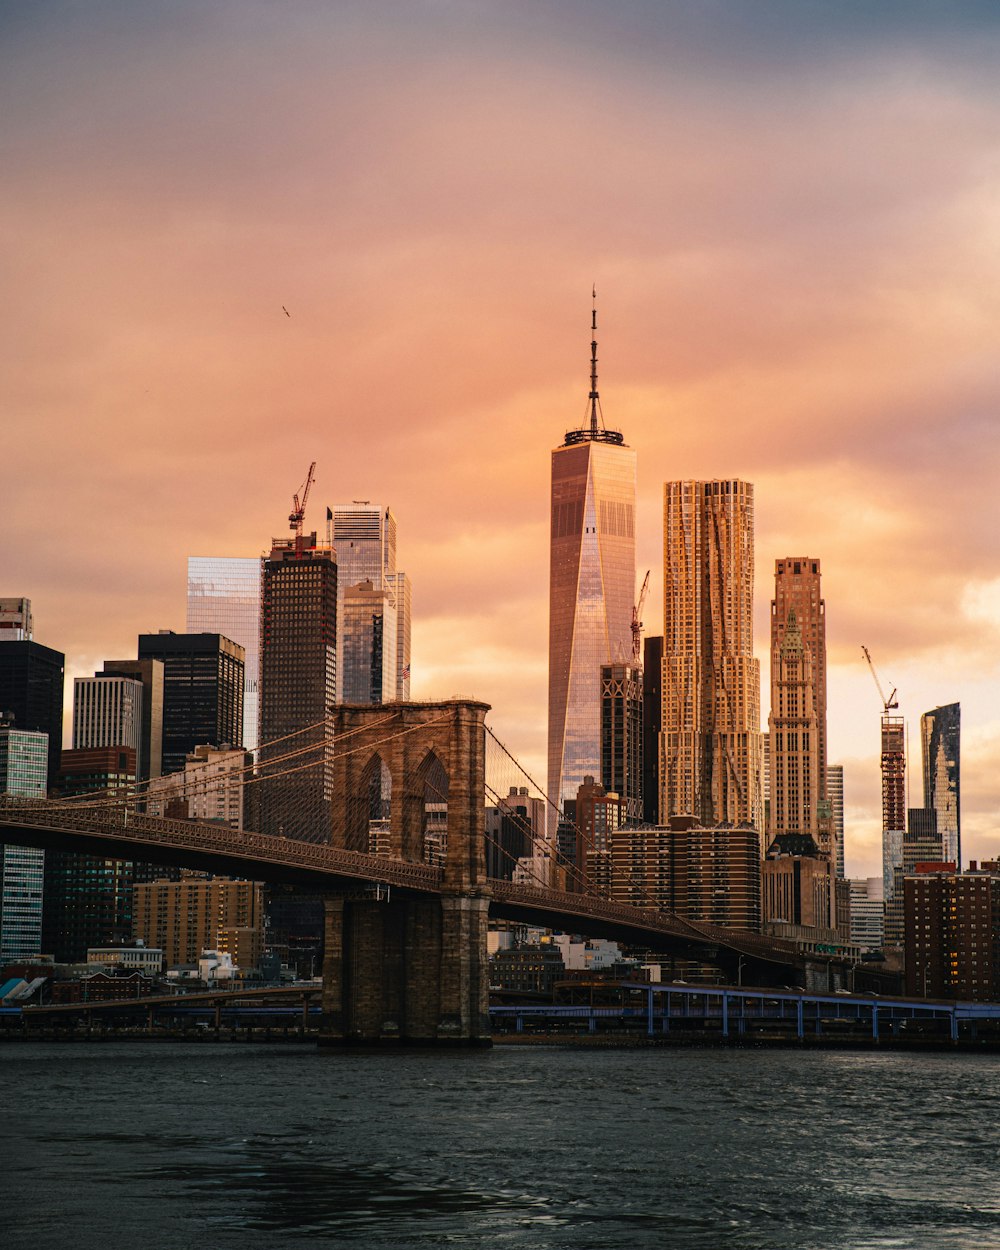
(780, 303)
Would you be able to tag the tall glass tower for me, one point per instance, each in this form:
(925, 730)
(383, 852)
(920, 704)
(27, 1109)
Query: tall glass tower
(363, 537)
(591, 587)
(223, 597)
(940, 736)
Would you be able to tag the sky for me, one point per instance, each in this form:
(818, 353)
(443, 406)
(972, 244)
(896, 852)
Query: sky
(788, 208)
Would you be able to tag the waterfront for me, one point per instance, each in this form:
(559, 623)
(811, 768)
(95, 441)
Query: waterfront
(177, 1145)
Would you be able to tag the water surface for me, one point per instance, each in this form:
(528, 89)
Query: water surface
(172, 1145)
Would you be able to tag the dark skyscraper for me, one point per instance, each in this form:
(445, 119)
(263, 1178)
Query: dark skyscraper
(202, 692)
(298, 661)
(31, 689)
(621, 736)
(652, 712)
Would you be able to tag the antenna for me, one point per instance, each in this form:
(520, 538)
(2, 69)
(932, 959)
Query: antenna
(595, 398)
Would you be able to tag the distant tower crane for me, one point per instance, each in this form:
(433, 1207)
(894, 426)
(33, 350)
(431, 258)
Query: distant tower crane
(298, 512)
(637, 622)
(892, 701)
(893, 783)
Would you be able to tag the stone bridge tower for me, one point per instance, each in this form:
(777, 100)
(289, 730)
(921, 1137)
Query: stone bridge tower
(408, 781)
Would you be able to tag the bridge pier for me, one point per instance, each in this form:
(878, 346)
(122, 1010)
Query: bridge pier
(409, 971)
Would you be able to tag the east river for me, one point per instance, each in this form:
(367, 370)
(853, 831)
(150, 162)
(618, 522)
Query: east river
(174, 1145)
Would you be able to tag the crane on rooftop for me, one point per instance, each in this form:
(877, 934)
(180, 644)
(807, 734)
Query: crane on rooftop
(887, 703)
(637, 622)
(297, 515)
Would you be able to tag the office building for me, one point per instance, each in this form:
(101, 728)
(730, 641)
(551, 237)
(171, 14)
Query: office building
(867, 913)
(149, 674)
(88, 898)
(16, 624)
(940, 740)
(366, 629)
(835, 797)
(199, 913)
(212, 787)
(591, 588)
(951, 923)
(298, 664)
(24, 757)
(710, 739)
(223, 597)
(203, 677)
(31, 692)
(363, 538)
(515, 833)
(921, 844)
(652, 711)
(108, 712)
(621, 736)
(797, 883)
(402, 589)
(797, 721)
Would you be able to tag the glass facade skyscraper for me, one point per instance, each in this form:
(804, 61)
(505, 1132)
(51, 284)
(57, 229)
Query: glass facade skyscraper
(363, 538)
(23, 771)
(591, 589)
(940, 741)
(223, 597)
(710, 737)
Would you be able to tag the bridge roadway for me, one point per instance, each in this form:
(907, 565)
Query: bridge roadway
(116, 832)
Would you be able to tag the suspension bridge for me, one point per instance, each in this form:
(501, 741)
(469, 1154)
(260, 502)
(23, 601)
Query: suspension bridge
(381, 809)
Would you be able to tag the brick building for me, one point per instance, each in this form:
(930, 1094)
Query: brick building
(952, 932)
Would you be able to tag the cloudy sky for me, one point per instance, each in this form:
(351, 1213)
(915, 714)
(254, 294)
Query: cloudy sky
(789, 208)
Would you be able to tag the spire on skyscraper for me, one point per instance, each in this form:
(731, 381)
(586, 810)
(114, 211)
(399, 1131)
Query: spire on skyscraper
(594, 431)
(595, 399)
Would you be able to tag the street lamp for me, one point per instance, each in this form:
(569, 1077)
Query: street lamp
(739, 970)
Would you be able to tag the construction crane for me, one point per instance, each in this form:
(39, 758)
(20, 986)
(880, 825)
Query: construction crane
(892, 701)
(298, 512)
(637, 622)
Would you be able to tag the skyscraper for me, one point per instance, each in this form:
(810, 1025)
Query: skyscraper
(710, 739)
(107, 712)
(23, 771)
(621, 736)
(366, 631)
(797, 720)
(363, 538)
(31, 688)
(652, 710)
(835, 796)
(149, 673)
(223, 597)
(202, 692)
(940, 735)
(591, 587)
(298, 666)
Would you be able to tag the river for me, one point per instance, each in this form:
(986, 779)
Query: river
(164, 1146)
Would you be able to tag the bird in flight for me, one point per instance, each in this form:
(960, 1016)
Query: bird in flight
(285, 311)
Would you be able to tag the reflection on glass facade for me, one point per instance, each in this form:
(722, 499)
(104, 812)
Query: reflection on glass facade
(367, 637)
(23, 771)
(591, 593)
(363, 536)
(224, 598)
(940, 734)
(710, 738)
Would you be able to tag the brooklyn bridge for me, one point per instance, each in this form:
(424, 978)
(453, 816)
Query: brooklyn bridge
(384, 816)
